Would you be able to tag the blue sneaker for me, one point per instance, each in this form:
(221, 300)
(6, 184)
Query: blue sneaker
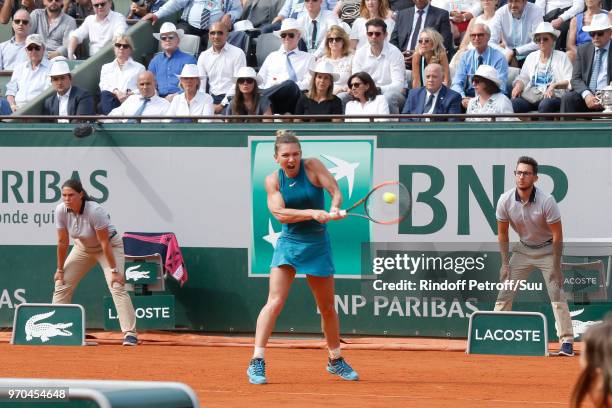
(257, 371)
(567, 349)
(130, 340)
(342, 369)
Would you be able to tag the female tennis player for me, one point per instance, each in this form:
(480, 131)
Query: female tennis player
(296, 199)
(95, 240)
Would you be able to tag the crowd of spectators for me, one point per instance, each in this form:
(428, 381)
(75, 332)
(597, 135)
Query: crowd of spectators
(345, 57)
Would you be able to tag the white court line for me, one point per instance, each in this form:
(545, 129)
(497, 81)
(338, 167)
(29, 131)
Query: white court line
(390, 396)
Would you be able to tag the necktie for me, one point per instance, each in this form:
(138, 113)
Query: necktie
(140, 109)
(205, 19)
(417, 30)
(596, 68)
(429, 103)
(290, 69)
(480, 60)
(314, 34)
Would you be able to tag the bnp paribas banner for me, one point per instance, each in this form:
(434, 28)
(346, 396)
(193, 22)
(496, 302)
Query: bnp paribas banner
(350, 161)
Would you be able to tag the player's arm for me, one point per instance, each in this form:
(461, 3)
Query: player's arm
(284, 215)
(557, 242)
(107, 250)
(504, 249)
(63, 240)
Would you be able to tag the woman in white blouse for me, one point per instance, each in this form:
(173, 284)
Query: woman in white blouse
(371, 9)
(366, 99)
(545, 75)
(488, 99)
(192, 102)
(118, 78)
(338, 54)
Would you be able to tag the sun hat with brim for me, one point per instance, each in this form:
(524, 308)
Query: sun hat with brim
(599, 22)
(488, 72)
(34, 39)
(243, 25)
(247, 72)
(324, 67)
(190, 71)
(168, 27)
(290, 24)
(59, 68)
(546, 28)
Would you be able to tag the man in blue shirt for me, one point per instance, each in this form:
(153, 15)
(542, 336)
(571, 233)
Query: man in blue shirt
(471, 59)
(166, 65)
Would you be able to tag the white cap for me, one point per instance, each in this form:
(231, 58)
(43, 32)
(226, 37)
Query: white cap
(190, 71)
(488, 72)
(243, 25)
(324, 67)
(288, 25)
(59, 68)
(34, 39)
(599, 22)
(247, 72)
(168, 27)
(546, 28)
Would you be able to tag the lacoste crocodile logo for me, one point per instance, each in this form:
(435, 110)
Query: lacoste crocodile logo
(45, 330)
(132, 273)
(579, 326)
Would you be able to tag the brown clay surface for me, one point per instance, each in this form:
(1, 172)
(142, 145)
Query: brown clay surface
(412, 375)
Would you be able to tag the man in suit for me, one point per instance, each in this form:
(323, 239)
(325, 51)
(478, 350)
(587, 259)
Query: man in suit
(410, 23)
(433, 98)
(68, 100)
(592, 69)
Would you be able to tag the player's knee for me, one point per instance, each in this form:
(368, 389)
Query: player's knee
(327, 310)
(275, 305)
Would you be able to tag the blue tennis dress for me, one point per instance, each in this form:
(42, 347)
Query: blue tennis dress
(304, 245)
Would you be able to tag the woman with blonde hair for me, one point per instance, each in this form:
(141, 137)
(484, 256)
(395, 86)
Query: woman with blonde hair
(430, 50)
(368, 10)
(193, 101)
(595, 380)
(338, 54)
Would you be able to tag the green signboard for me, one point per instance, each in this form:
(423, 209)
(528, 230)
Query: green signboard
(508, 333)
(141, 273)
(350, 161)
(49, 324)
(152, 312)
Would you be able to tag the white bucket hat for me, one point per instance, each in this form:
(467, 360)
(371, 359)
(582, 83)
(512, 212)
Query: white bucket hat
(247, 72)
(546, 28)
(190, 71)
(324, 67)
(488, 72)
(599, 22)
(59, 68)
(168, 27)
(288, 25)
(243, 25)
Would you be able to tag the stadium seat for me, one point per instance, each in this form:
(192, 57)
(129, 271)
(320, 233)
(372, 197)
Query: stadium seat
(266, 43)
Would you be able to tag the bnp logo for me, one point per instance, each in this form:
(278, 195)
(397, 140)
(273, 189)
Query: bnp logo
(350, 161)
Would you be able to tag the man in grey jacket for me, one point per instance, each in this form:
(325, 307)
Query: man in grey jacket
(54, 26)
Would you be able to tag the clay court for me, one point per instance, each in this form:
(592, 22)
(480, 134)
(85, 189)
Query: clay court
(394, 372)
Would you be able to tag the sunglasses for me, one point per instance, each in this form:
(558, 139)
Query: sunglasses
(290, 35)
(167, 37)
(310, 1)
(21, 22)
(33, 48)
(99, 5)
(335, 39)
(477, 35)
(122, 46)
(356, 85)
(374, 33)
(213, 33)
(248, 81)
(424, 40)
(597, 33)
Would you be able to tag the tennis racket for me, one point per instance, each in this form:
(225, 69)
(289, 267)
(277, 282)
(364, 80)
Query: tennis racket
(387, 203)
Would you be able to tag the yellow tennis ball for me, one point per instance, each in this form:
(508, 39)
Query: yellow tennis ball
(389, 198)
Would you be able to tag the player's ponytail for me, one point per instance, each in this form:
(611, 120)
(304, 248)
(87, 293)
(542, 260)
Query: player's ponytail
(76, 185)
(285, 136)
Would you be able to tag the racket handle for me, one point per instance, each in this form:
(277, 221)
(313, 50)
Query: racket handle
(342, 213)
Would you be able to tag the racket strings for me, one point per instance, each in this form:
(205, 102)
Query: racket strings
(388, 203)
